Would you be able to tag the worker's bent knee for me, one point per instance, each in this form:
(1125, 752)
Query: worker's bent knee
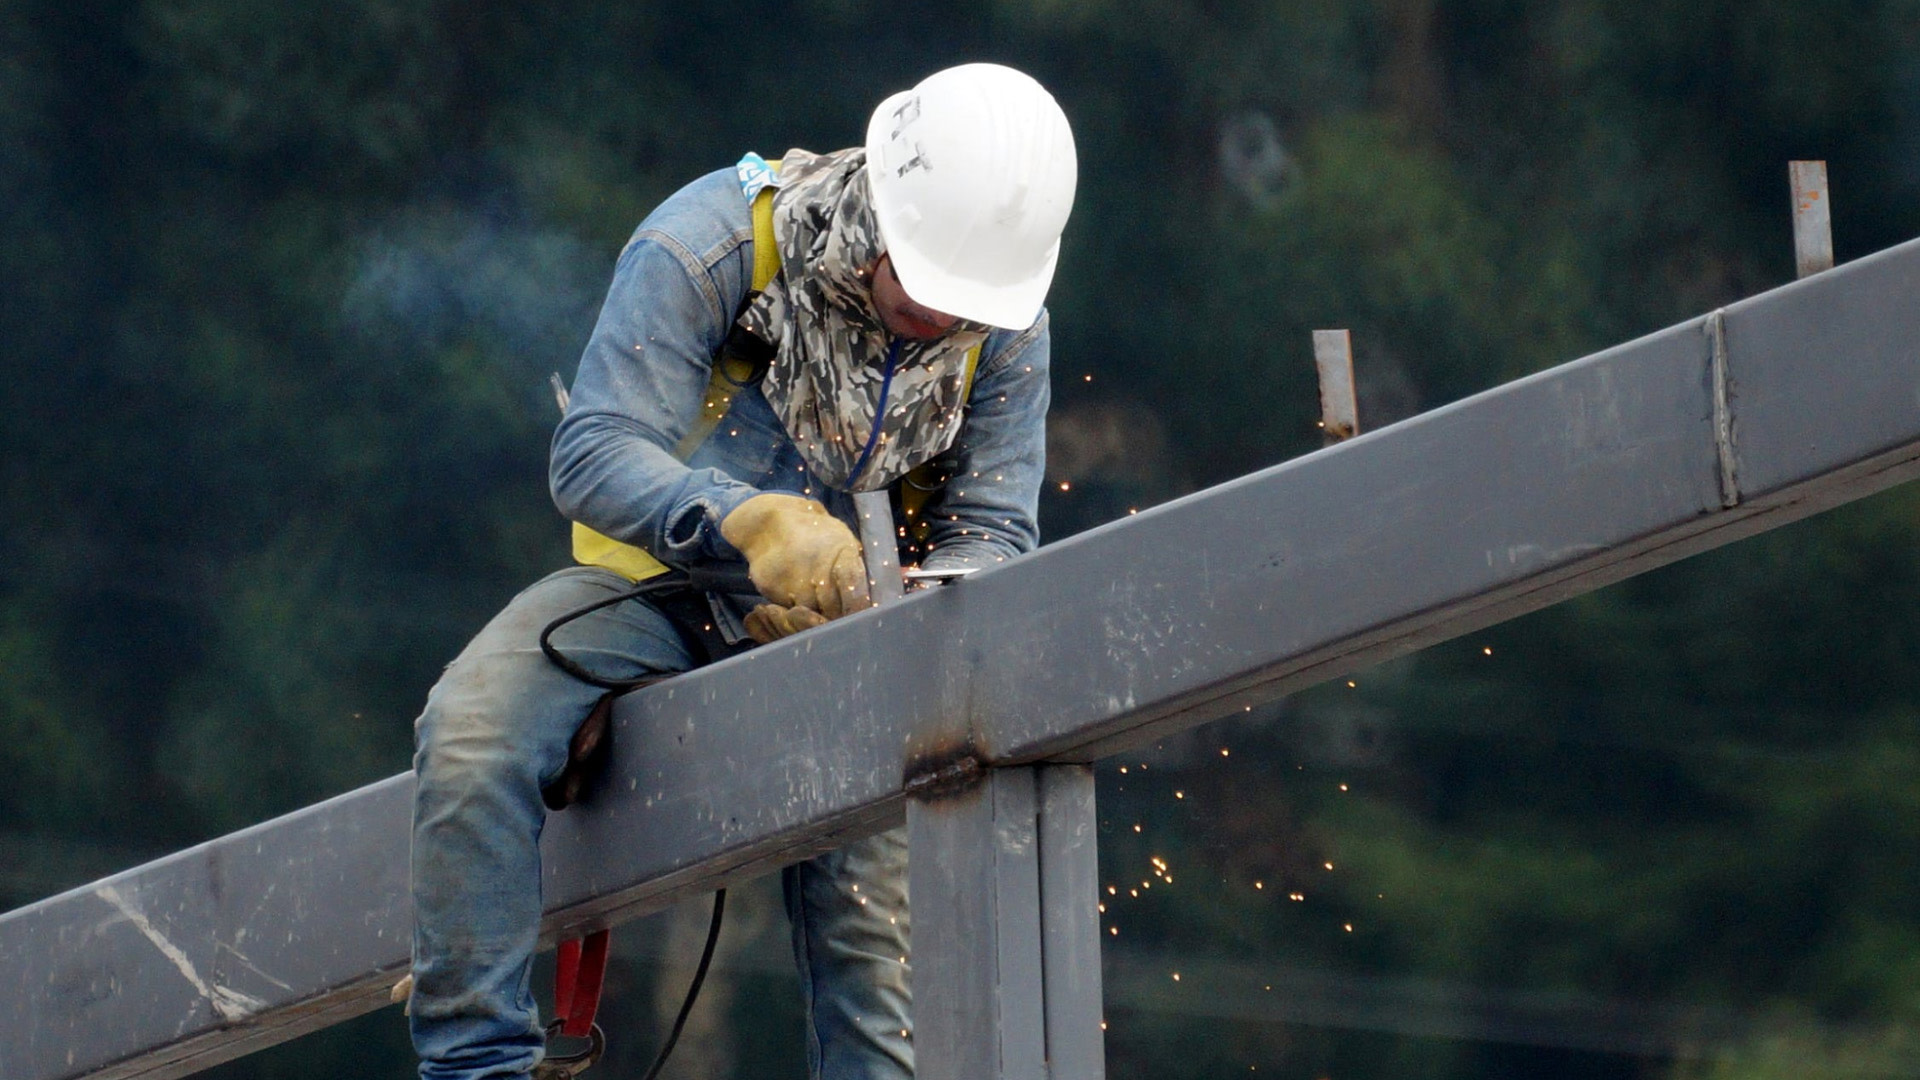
(500, 714)
(503, 688)
(497, 725)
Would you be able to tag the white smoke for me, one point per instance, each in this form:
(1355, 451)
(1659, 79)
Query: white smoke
(429, 277)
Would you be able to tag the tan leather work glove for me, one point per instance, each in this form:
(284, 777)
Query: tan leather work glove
(798, 555)
(771, 622)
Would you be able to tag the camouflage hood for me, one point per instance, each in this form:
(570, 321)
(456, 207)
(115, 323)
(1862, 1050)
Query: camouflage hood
(829, 377)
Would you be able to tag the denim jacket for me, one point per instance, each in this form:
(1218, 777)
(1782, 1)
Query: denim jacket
(675, 289)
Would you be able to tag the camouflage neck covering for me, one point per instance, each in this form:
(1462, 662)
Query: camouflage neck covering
(832, 350)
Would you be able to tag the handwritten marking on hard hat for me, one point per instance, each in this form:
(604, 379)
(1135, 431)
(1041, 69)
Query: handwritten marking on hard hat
(919, 160)
(907, 113)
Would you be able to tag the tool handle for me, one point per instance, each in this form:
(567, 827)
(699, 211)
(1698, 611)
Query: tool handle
(730, 578)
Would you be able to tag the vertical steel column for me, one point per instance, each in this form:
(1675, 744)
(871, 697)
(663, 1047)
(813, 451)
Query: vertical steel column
(1812, 217)
(1003, 876)
(1339, 409)
(880, 544)
(1006, 949)
(974, 880)
(1070, 923)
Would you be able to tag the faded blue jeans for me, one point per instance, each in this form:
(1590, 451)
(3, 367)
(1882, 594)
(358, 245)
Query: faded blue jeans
(495, 729)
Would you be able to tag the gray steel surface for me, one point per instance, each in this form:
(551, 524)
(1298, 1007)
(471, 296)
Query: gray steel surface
(877, 543)
(1339, 408)
(1812, 217)
(1479, 511)
(979, 1011)
(1070, 923)
(1006, 933)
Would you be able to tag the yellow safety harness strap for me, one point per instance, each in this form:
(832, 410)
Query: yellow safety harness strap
(730, 372)
(591, 548)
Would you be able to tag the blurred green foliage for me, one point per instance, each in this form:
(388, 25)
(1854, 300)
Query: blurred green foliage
(283, 283)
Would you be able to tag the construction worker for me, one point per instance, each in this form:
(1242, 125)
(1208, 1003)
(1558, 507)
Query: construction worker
(901, 324)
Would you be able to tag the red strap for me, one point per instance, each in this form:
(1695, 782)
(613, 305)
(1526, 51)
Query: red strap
(566, 969)
(577, 978)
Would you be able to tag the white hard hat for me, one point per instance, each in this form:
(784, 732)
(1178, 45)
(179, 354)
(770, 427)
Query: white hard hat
(973, 174)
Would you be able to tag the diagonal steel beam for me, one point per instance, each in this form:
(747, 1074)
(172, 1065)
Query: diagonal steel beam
(1778, 407)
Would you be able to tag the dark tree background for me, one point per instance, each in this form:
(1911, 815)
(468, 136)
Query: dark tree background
(280, 287)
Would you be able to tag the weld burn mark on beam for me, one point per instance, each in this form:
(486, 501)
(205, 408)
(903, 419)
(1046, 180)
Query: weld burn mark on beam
(1716, 329)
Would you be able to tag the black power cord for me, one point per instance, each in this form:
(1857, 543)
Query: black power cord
(693, 989)
(730, 580)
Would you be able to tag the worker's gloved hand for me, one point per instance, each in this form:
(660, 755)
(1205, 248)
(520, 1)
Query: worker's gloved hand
(771, 622)
(798, 555)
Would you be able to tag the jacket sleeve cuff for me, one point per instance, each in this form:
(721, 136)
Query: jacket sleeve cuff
(964, 556)
(692, 532)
